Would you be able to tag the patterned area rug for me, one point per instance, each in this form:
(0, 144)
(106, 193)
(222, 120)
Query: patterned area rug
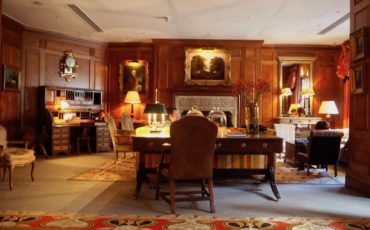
(120, 170)
(43, 220)
(125, 170)
(287, 174)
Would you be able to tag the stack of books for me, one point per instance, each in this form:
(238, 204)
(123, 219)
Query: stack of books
(235, 132)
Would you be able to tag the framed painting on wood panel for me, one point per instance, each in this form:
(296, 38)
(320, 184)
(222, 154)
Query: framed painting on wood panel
(11, 78)
(359, 44)
(207, 66)
(358, 78)
(134, 76)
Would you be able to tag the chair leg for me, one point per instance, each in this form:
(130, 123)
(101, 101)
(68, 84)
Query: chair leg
(308, 169)
(172, 196)
(88, 146)
(32, 168)
(4, 171)
(10, 177)
(211, 197)
(78, 146)
(116, 155)
(204, 191)
(335, 170)
(157, 191)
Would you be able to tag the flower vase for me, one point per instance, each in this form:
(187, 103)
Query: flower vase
(252, 118)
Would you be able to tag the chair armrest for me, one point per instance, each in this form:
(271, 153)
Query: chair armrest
(18, 143)
(124, 137)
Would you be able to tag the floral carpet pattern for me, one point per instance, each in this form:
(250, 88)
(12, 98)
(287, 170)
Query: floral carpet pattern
(125, 170)
(120, 170)
(44, 220)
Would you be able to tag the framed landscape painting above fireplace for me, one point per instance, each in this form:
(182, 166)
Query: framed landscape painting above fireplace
(207, 66)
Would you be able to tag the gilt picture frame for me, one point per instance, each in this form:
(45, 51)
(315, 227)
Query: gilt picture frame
(359, 40)
(358, 78)
(11, 78)
(134, 76)
(207, 66)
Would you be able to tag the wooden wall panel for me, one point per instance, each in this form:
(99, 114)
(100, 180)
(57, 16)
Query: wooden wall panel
(358, 174)
(117, 53)
(11, 54)
(42, 53)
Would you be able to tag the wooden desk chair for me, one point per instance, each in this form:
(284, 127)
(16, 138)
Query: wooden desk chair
(323, 149)
(122, 141)
(192, 149)
(12, 157)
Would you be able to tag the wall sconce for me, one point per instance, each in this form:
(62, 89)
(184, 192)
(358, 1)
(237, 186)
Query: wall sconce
(132, 97)
(306, 94)
(328, 108)
(285, 92)
(153, 110)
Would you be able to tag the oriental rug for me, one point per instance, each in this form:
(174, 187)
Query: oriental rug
(44, 220)
(125, 170)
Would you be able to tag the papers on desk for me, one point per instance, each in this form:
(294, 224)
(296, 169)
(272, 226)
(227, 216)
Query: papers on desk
(234, 132)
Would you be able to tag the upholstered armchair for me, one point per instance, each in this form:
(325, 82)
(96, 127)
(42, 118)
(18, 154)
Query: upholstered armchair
(121, 139)
(12, 157)
(323, 149)
(126, 122)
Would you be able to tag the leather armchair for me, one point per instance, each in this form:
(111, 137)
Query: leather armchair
(323, 149)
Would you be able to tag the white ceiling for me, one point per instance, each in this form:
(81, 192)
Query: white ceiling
(274, 21)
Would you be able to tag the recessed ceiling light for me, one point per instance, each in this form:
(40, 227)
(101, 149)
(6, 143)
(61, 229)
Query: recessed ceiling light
(37, 3)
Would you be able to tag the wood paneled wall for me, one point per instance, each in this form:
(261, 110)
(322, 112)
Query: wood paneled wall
(11, 55)
(358, 174)
(38, 55)
(42, 55)
(117, 54)
(249, 60)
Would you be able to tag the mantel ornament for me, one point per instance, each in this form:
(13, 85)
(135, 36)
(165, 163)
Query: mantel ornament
(68, 66)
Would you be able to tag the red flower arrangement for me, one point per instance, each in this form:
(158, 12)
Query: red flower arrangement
(251, 90)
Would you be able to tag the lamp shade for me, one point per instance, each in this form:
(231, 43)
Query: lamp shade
(308, 92)
(155, 108)
(132, 97)
(328, 107)
(286, 91)
(293, 107)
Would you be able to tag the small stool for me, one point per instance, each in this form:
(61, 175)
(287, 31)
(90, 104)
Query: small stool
(84, 138)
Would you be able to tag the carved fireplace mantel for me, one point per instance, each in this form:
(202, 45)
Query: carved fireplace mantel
(207, 103)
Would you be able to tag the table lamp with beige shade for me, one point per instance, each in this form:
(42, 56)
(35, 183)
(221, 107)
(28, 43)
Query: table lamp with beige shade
(329, 108)
(132, 97)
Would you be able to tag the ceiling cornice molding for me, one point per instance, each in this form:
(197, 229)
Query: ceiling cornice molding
(209, 42)
(12, 23)
(61, 36)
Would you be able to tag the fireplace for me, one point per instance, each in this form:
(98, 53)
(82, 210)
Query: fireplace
(207, 103)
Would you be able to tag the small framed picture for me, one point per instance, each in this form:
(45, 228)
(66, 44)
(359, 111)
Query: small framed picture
(12, 78)
(359, 44)
(358, 78)
(134, 76)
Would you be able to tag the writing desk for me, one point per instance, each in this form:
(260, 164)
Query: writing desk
(254, 144)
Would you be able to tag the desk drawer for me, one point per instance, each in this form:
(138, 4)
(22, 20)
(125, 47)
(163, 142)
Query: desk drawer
(153, 144)
(245, 146)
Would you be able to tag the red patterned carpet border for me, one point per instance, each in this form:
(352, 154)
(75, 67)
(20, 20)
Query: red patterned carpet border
(44, 220)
